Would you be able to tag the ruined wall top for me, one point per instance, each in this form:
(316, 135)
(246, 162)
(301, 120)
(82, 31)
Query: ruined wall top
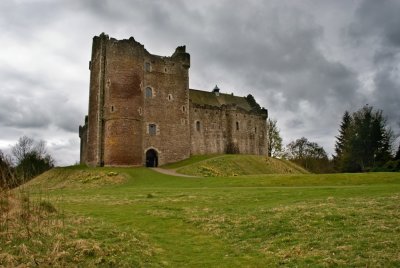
(179, 53)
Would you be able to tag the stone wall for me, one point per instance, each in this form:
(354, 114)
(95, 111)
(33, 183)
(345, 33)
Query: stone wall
(83, 137)
(120, 113)
(139, 102)
(96, 91)
(227, 129)
(123, 98)
(168, 107)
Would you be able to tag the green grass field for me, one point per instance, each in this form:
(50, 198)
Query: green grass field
(137, 217)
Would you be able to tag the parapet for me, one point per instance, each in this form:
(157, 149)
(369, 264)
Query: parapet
(180, 53)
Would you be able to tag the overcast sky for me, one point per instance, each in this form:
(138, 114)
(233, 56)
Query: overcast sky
(306, 61)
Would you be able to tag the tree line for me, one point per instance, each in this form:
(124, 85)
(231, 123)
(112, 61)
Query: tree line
(365, 143)
(28, 159)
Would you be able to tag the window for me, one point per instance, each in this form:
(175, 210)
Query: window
(147, 66)
(237, 125)
(169, 97)
(198, 125)
(149, 92)
(255, 129)
(183, 109)
(112, 108)
(152, 129)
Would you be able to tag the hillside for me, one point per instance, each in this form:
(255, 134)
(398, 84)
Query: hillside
(136, 217)
(235, 165)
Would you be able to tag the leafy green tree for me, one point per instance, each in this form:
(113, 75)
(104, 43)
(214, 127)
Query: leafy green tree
(310, 155)
(342, 140)
(274, 139)
(364, 141)
(397, 156)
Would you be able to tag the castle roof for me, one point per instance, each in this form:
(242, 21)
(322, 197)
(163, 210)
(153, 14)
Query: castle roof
(210, 98)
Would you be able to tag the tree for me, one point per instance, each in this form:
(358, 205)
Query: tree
(342, 140)
(274, 139)
(364, 141)
(309, 155)
(253, 103)
(31, 158)
(397, 156)
(7, 175)
(22, 148)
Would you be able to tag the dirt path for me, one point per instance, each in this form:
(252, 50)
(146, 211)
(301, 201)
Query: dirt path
(172, 172)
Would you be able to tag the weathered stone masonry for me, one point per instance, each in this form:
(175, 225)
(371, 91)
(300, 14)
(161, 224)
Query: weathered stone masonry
(142, 112)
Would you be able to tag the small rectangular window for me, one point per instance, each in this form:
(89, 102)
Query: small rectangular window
(147, 67)
(152, 129)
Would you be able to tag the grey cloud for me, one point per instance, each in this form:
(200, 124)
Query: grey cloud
(22, 113)
(273, 50)
(379, 21)
(277, 50)
(377, 18)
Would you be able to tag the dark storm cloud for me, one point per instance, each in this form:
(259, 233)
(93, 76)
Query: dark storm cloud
(273, 51)
(378, 19)
(288, 54)
(378, 22)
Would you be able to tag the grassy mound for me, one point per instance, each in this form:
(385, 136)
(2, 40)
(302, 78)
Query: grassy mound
(235, 165)
(76, 177)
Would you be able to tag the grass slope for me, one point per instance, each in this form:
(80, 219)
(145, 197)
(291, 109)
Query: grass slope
(151, 219)
(235, 165)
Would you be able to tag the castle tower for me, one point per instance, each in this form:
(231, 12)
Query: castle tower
(138, 105)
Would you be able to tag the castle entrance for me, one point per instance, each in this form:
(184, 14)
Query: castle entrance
(151, 158)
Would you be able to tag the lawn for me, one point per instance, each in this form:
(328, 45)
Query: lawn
(137, 217)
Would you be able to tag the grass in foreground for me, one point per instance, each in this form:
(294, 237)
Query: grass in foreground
(151, 219)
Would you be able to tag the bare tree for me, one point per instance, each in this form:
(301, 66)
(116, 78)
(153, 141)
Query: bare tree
(31, 158)
(7, 172)
(23, 147)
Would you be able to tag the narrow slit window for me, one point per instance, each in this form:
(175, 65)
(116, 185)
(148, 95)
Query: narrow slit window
(198, 125)
(237, 125)
(147, 67)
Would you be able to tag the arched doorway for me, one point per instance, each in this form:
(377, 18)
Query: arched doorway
(151, 158)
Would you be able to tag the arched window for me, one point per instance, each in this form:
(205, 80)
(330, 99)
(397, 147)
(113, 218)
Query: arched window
(149, 92)
(198, 125)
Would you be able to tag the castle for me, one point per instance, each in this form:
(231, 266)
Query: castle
(142, 111)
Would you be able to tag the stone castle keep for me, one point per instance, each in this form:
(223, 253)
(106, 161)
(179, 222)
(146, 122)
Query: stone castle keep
(142, 112)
